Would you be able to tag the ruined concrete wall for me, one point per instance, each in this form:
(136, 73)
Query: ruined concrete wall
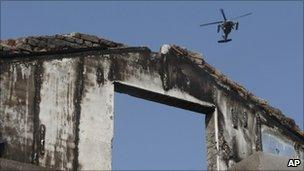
(145, 71)
(234, 126)
(244, 129)
(57, 109)
(57, 112)
(96, 122)
(17, 91)
(60, 95)
(74, 100)
(265, 161)
(238, 138)
(38, 95)
(281, 142)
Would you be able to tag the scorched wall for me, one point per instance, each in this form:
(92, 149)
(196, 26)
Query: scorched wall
(57, 96)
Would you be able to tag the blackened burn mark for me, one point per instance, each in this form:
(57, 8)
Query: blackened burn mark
(2, 146)
(100, 76)
(179, 72)
(211, 146)
(164, 72)
(258, 134)
(234, 116)
(172, 75)
(245, 119)
(38, 74)
(235, 150)
(1, 127)
(42, 140)
(113, 66)
(225, 149)
(2, 140)
(77, 103)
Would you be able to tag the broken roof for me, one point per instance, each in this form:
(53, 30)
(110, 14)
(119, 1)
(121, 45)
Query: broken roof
(83, 42)
(56, 43)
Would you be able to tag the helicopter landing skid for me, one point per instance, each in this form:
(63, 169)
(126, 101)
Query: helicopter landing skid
(224, 41)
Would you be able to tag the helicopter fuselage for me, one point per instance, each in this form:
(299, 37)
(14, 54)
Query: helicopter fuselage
(227, 26)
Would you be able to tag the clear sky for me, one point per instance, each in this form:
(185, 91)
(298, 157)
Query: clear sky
(265, 55)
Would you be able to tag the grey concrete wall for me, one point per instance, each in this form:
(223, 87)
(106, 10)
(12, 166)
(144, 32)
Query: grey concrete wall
(265, 161)
(236, 130)
(57, 112)
(274, 142)
(39, 93)
(74, 100)
(17, 87)
(72, 95)
(13, 165)
(97, 115)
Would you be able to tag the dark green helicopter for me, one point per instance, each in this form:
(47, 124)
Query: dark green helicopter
(226, 25)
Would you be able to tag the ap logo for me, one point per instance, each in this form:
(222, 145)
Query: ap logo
(293, 163)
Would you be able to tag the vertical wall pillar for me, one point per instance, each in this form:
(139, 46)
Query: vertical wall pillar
(17, 85)
(212, 140)
(57, 114)
(96, 117)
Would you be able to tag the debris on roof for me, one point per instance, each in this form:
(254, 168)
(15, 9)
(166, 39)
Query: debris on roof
(56, 43)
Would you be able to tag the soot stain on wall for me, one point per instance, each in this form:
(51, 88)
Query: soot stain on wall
(239, 118)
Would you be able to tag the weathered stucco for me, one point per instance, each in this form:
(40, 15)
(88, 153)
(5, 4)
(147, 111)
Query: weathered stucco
(57, 112)
(57, 96)
(16, 109)
(96, 120)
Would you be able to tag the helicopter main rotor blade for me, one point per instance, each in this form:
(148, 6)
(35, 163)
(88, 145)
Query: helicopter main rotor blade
(217, 22)
(242, 16)
(222, 11)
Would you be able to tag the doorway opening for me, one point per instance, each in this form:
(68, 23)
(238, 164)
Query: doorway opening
(154, 136)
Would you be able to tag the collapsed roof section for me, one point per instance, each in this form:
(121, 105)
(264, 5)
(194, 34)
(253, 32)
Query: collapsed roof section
(77, 42)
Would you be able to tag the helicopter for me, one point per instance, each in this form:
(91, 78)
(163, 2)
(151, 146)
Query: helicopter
(226, 25)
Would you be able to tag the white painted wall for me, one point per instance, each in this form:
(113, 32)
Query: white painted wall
(96, 120)
(57, 112)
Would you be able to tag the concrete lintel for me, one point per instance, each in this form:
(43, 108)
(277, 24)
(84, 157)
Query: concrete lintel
(165, 98)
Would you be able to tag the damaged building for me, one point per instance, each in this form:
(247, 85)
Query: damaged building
(57, 104)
